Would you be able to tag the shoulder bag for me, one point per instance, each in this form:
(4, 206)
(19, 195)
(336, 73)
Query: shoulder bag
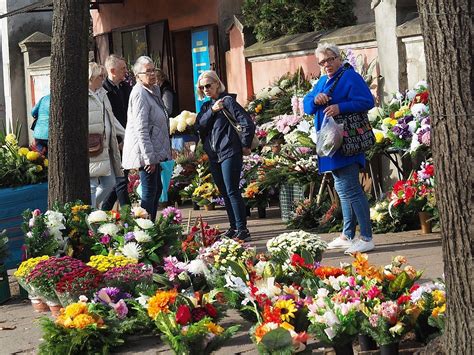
(357, 132)
(238, 129)
(96, 140)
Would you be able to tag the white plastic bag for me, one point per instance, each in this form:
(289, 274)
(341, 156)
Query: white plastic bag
(329, 137)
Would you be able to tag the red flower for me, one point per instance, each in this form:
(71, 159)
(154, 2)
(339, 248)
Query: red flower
(324, 272)
(198, 313)
(271, 314)
(297, 260)
(403, 299)
(211, 310)
(414, 288)
(183, 315)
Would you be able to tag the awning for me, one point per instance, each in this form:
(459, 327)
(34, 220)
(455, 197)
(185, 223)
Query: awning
(47, 5)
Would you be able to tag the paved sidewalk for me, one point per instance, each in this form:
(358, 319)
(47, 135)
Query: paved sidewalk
(422, 251)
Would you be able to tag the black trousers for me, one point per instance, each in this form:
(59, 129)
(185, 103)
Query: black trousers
(119, 191)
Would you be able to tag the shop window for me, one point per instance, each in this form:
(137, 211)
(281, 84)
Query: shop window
(134, 44)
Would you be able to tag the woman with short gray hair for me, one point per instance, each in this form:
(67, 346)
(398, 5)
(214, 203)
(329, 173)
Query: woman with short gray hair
(147, 134)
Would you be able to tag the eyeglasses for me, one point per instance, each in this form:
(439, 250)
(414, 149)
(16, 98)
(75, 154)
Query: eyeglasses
(207, 86)
(149, 72)
(327, 60)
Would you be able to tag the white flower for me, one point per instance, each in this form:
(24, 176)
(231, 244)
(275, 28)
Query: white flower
(139, 212)
(313, 135)
(274, 91)
(144, 223)
(55, 220)
(414, 143)
(267, 287)
(419, 110)
(142, 237)
(132, 250)
(375, 113)
(181, 124)
(178, 169)
(173, 124)
(97, 216)
(29, 235)
(422, 84)
(143, 300)
(412, 126)
(304, 126)
(109, 228)
(197, 267)
(411, 94)
(331, 318)
(190, 117)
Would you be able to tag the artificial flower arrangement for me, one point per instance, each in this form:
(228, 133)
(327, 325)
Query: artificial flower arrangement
(188, 324)
(20, 165)
(80, 328)
(183, 123)
(183, 275)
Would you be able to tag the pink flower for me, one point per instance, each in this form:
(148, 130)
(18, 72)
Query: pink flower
(36, 213)
(105, 239)
(373, 320)
(175, 212)
(120, 308)
(373, 292)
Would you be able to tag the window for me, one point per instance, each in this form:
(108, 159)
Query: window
(134, 44)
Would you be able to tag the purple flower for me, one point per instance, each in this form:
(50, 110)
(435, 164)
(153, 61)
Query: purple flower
(173, 267)
(351, 58)
(129, 236)
(175, 212)
(402, 130)
(46, 234)
(105, 239)
(219, 201)
(107, 295)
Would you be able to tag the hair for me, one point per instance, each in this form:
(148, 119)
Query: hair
(95, 70)
(112, 61)
(161, 75)
(141, 61)
(327, 47)
(210, 74)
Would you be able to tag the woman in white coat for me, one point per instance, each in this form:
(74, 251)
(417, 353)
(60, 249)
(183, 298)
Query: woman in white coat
(103, 167)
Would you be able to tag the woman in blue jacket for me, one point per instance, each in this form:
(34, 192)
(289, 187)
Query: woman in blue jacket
(351, 94)
(224, 147)
(40, 130)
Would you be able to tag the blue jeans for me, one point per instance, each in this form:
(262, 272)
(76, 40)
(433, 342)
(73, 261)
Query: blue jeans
(226, 175)
(151, 190)
(354, 203)
(100, 188)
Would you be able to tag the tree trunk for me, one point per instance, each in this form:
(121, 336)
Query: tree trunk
(447, 32)
(68, 128)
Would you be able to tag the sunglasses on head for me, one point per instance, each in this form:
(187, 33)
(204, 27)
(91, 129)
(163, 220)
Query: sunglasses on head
(207, 86)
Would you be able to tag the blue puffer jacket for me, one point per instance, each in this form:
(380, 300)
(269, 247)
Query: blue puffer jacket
(219, 138)
(41, 112)
(352, 95)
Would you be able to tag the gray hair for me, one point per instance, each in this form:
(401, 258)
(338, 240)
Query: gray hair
(112, 61)
(327, 47)
(210, 74)
(95, 70)
(141, 61)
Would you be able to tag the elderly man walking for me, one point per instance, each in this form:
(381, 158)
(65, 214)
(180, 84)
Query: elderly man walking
(118, 92)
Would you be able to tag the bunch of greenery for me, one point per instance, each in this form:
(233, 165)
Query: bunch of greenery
(274, 18)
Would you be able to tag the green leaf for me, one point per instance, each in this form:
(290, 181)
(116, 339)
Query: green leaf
(399, 283)
(307, 256)
(277, 339)
(237, 269)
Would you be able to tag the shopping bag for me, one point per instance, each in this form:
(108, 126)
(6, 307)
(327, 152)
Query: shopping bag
(166, 174)
(329, 137)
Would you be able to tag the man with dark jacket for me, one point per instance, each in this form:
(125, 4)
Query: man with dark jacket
(118, 92)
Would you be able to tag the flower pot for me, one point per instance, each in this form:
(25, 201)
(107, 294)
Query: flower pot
(210, 207)
(23, 292)
(262, 212)
(389, 349)
(38, 304)
(425, 222)
(54, 308)
(196, 207)
(343, 349)
(4, 285)
(367, 343)
(248, 211)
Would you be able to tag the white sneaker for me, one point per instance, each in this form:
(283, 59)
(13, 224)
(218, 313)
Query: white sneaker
(361, 246)
(340, 242)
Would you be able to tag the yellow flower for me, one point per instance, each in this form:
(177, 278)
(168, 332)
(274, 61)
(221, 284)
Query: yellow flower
(258, 108)
(287, 309)
(46, 163)
(214, 328)
(439, 297)
(32, 156)
(23, 151)
(393, 122)
(287, 326)
(26, 266)
(39, 168)
(11, 138)
(439, 311)
(379, 137)
(83, 320)
(399, 114)
(74, 309)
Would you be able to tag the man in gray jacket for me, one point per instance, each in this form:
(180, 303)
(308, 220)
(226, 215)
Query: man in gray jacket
(147, 140)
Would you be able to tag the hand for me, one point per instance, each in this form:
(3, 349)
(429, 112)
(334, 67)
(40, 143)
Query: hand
(321, 99)
(150, 169)
(332, 110)
(121, 146)
(218, 105)
(246, 151)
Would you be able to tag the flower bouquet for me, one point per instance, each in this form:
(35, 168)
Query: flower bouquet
(47, 273)
(200, 235)
(79, 329)
(20, 165)
(129, 277)
(24, 270)
(183, 123)
(254, 196)
(183, 275)
(80, 282)
(188, 325)
(207, 193)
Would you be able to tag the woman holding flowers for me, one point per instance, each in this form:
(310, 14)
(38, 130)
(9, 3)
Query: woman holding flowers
(105, 166)
(224, 146)
(350, 95)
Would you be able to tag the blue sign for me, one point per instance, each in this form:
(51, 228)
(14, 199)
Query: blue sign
(201, 59)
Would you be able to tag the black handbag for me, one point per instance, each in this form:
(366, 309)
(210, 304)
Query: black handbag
(358, 136)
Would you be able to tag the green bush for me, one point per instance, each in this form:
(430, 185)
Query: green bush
(274, 18)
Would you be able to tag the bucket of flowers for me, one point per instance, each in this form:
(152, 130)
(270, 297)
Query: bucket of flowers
(22, 274)
(79, 329)
(188, 324)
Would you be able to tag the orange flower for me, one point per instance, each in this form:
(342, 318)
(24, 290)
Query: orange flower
(363, 268)
(260, 332)
(323, 272)
(160, 302)
(251, 190)
(83, 320)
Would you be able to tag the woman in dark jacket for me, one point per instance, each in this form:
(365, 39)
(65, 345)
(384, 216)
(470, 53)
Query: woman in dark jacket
(224, 147)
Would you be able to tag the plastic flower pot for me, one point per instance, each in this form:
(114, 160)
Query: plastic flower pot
(262, 212)
(367, 343)
(343, 349)
(38, 304)
(389, 349)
